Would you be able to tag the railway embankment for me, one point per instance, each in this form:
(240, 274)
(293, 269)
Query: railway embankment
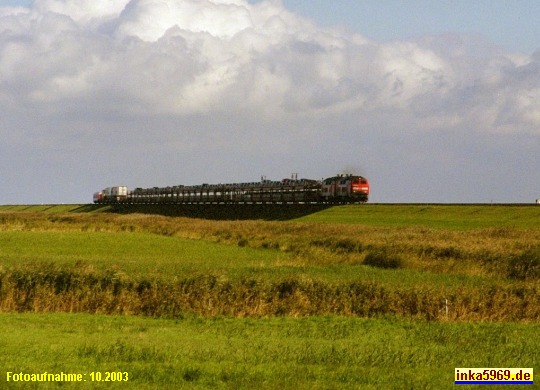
(446, 215)
(271, 212)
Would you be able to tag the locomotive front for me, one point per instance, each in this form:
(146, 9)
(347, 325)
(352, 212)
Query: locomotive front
(345, 189)
(360, 188)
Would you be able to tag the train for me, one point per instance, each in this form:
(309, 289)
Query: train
(338, 189)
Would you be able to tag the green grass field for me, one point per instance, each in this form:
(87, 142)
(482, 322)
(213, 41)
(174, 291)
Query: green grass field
(458, 217)
(247, 353)
(370, 296)
(48, 208)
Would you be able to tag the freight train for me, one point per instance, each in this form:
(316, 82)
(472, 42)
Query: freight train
(337, 189)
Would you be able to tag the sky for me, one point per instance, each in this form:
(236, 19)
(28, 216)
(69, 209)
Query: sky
(432, 101)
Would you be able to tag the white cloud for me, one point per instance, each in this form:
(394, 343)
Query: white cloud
(8, 11)
(194, 56)
(149, 19)
(86, 12)
(182, 57)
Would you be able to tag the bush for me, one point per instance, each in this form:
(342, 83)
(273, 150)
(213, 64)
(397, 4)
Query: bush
(525, 266)
(340, 246)
(242, 242)
(382, 259)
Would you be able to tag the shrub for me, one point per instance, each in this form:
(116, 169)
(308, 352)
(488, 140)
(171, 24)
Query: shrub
(525, 266)
(382, 259)
(242, 242)
(342, 245)
(449, 252)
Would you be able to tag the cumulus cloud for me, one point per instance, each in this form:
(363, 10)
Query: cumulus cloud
(192, 56)
(174, 67)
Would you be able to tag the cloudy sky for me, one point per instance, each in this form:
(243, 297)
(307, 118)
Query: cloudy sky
(433, 101)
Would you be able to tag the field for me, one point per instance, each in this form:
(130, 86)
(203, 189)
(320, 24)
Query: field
(346, 297)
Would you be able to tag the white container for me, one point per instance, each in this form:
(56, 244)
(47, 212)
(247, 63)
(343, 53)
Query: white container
(119, 191)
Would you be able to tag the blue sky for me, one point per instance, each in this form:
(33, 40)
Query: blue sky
(513, 24)
(433, 101)
(510, 23)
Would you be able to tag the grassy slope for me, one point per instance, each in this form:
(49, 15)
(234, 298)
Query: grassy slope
(436, 216)
(432, 216)
(135, 254)
(146, 255)
(45, 208)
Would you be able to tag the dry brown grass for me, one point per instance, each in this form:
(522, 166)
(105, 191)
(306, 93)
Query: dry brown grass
(59, 290)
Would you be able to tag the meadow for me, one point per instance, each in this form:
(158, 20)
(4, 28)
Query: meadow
(331, 299)
(331, 352)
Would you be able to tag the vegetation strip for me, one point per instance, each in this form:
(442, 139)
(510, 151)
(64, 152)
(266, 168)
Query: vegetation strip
(164, 266)
(208, 295)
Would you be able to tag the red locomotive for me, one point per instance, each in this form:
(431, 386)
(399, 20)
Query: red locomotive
(348, 188)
